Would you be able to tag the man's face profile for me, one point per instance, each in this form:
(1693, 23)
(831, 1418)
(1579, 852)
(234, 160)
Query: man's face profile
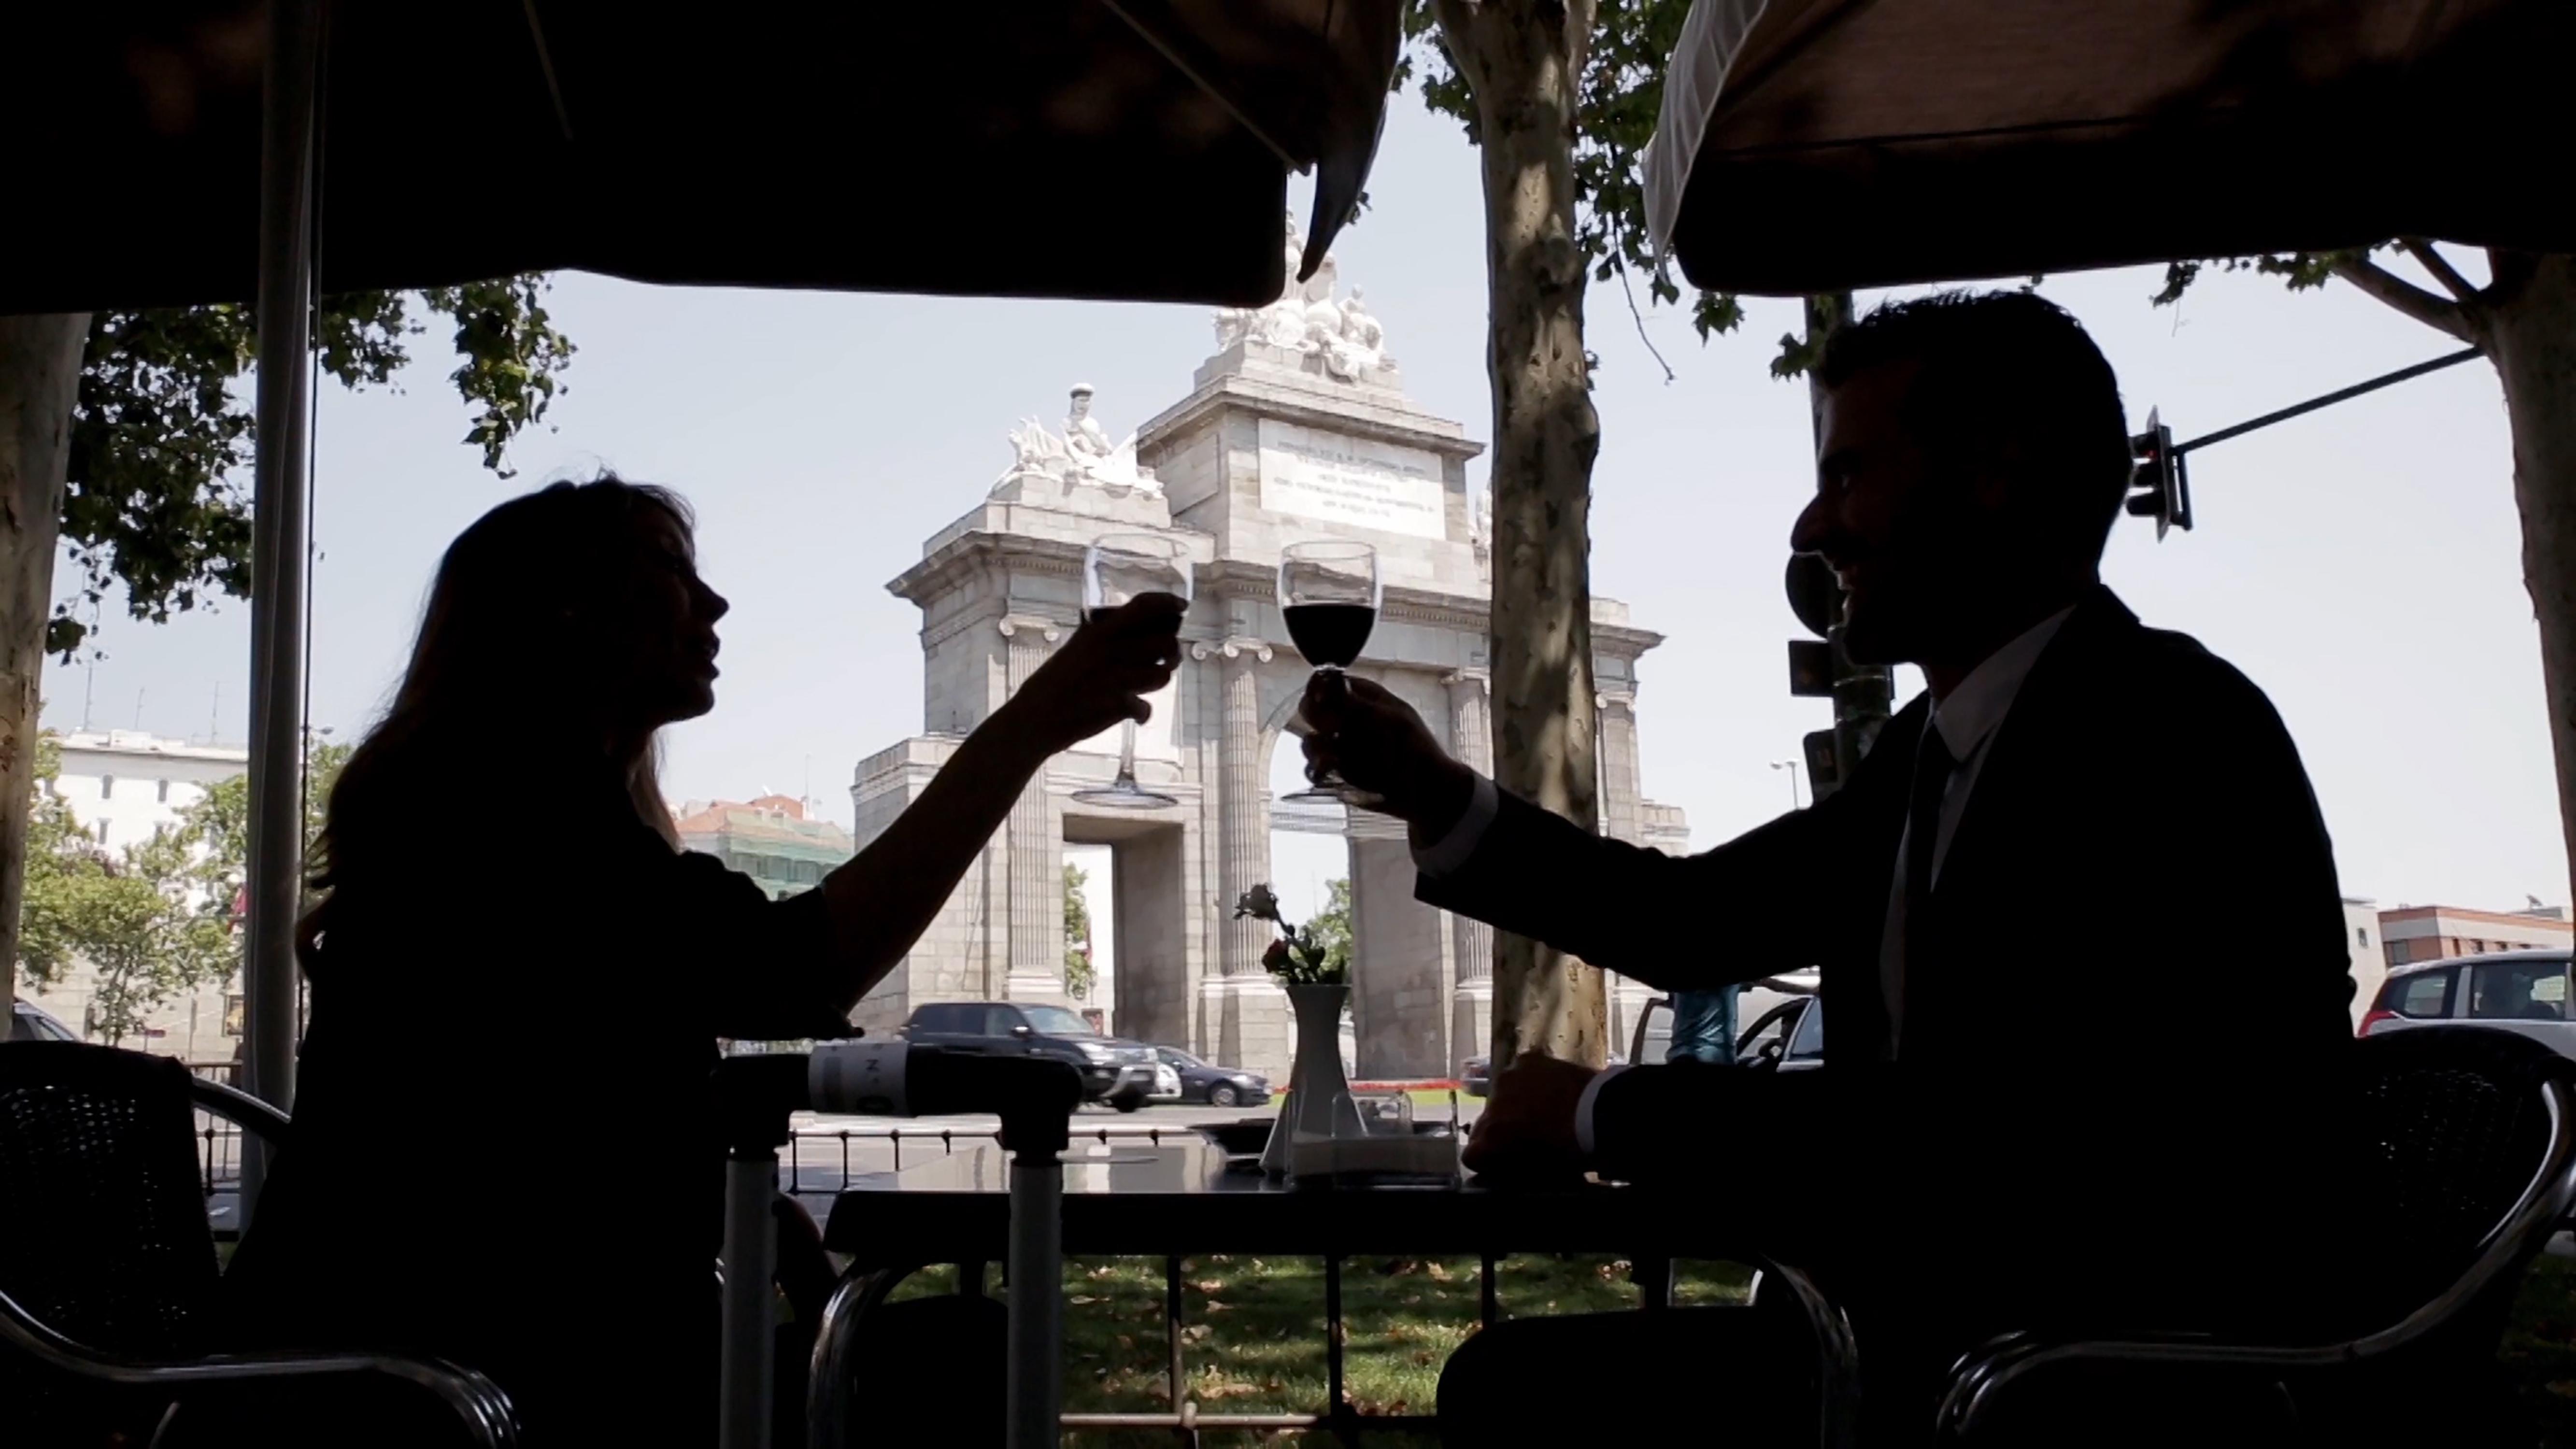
(1895, 527)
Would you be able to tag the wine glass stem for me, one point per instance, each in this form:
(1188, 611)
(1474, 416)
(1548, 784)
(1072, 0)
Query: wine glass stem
(1332, 779)
(1127, 754)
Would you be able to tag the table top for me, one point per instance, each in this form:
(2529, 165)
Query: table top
(1183, 1196)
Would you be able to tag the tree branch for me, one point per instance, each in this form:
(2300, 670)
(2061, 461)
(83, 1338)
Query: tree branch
(2406, 297)
(2507, 271)
(2443, 272)
(1640, 319)
(1457, 22)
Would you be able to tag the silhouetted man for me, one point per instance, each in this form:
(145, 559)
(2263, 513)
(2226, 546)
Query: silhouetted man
(2076, 915)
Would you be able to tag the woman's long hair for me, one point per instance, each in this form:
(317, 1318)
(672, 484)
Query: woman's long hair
(501, 675)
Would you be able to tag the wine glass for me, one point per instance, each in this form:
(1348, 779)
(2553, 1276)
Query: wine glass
(1116, 568)
(1329, 590)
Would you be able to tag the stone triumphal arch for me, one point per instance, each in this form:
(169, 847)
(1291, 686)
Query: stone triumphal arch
(1298, 427)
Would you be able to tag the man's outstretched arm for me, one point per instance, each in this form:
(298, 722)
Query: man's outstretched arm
(1743, 911)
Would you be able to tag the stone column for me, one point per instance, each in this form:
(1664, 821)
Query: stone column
(1622, 818)
(1621, 790)
(1471, 1012)
(1398, 955)
(1246, 805)
(1036, 850)
(1243, 1013)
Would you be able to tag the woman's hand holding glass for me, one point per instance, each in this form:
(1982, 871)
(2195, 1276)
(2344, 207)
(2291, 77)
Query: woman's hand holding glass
(1100, 675)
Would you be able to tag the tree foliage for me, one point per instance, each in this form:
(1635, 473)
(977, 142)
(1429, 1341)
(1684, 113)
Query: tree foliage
(2461, 307)
(1622, 94)
(1331, 926)
(140, 920)
(156, 920)
(1077, 934)
(157, 496)
(221, 823)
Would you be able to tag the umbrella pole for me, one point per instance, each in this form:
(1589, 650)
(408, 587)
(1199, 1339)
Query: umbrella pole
(285, 388)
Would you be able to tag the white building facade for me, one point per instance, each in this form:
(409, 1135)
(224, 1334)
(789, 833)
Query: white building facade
(121, 786)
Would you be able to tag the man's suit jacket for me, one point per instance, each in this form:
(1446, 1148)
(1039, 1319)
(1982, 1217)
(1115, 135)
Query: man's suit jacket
(2125, 999)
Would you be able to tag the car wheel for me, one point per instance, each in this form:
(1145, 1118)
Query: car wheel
(1222, 1095)
(1128, 1101)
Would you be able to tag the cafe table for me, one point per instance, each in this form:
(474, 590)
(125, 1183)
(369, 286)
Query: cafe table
(1187, 1196)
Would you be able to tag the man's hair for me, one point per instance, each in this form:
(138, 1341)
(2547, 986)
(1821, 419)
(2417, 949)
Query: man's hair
(1999, 368)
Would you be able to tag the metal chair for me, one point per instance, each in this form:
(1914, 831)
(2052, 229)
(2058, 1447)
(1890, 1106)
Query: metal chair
(109, 1284)
(2470, 1166)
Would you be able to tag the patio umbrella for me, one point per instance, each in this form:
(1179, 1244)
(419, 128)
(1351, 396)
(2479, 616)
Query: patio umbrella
(189, 151)
(1815, 145)
(1131, 150)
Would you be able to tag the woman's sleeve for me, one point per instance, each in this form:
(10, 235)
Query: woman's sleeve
(758, 963)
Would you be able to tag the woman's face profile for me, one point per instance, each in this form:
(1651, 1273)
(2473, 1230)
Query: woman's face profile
(668, 661)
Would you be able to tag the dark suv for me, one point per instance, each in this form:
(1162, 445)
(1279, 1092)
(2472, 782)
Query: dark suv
(1120, 1073)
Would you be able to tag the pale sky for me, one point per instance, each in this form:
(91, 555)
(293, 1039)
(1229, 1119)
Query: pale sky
(2360, 564)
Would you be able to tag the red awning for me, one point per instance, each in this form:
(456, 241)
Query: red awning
(1813, 145)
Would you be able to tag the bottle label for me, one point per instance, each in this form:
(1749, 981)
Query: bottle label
(863, 1077)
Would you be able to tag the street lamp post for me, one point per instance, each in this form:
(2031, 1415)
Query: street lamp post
(1792, 767)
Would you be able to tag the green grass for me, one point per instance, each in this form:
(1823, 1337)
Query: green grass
(1254, 1333)
(2540, 1349)
(1254, 1330)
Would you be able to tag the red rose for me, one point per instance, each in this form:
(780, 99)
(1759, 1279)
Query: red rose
(1276, 958)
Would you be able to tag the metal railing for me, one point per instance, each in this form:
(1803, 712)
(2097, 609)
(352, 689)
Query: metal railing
(845, 1153)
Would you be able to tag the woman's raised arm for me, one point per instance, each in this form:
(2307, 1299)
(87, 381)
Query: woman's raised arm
(882, 899)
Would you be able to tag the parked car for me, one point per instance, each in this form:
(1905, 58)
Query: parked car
(30, 1022)
(1204, 1081)
(1790, 1037)
(1784, 1030)
(2524, 992)
(1120, 1073)
(1761, 1009)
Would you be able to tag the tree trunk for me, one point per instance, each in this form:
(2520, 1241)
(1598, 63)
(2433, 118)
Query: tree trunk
(2529, 332)
(40, 358)
(1523, 59)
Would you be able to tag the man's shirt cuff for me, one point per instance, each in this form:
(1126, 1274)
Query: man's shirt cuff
(1450, 853)
(1583, 1135)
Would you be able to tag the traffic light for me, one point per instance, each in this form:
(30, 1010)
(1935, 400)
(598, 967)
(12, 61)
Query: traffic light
(1824, 764)
(1816, 598)
(2160, 486)
(1820, 669)
(1811, 669)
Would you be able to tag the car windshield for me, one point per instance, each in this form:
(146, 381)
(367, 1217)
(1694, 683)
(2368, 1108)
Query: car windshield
(1179, 1058)
(1056, 1021)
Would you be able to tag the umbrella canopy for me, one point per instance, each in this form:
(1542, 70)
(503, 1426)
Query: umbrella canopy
(1114, 149)
(1813, 145)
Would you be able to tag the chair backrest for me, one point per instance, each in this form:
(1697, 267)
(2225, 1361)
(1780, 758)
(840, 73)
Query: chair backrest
(103, 1232)
(2455, 1129)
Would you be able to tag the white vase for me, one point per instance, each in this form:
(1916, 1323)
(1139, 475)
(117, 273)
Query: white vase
(1319, 1101)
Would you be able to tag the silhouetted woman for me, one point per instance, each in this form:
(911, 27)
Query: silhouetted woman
(503, 1152)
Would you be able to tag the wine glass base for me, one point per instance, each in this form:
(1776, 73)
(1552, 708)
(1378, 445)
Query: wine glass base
(1348, 796)
(1123, 797)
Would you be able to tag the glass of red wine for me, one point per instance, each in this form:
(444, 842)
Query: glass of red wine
(1329, 591)
(1117, 568)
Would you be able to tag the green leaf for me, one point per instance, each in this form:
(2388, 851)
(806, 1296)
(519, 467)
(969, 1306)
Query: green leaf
(157, 494)
(1621, 97)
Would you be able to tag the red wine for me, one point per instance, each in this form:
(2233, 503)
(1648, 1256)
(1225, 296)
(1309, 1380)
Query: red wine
(1330, 634)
